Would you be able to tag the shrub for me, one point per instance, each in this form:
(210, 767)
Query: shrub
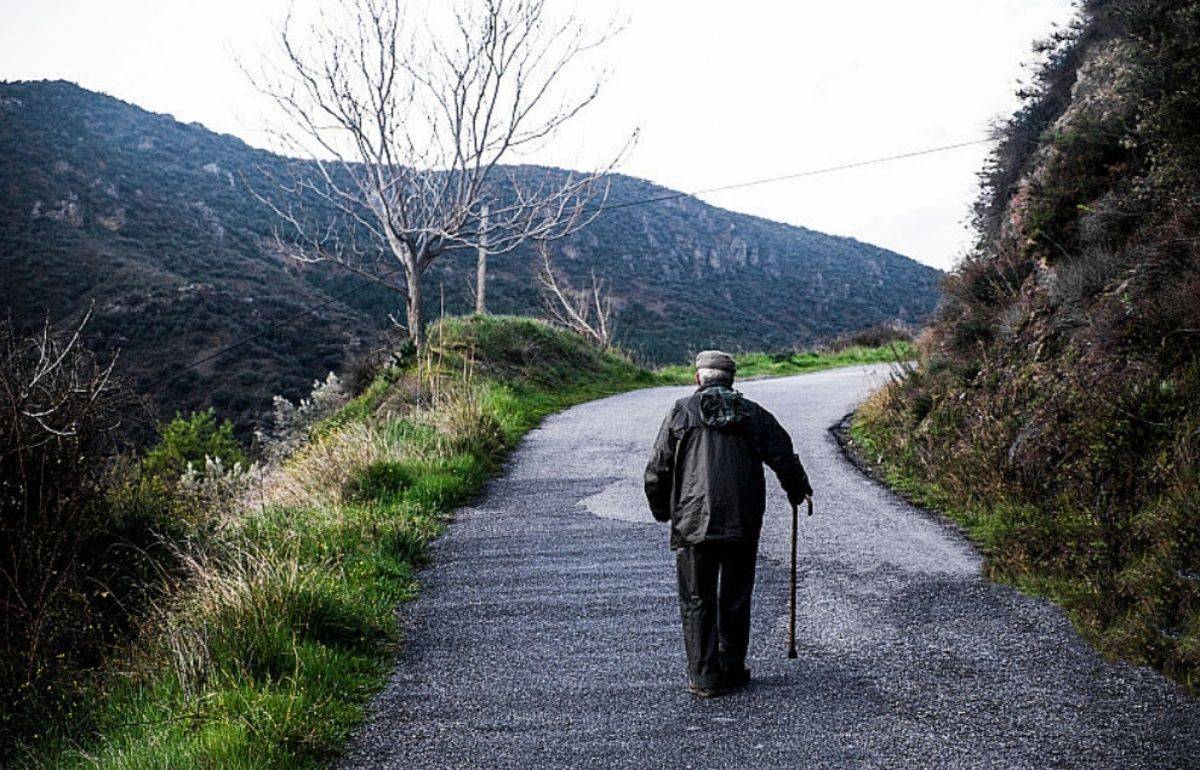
(190, 442)
(59, 537)
(873, 337)
(202, 495)
(293, 423)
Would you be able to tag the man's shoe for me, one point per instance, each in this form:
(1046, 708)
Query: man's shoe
(704, 692)
(736, 678)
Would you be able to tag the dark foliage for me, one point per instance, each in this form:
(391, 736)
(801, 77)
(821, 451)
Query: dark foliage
(874, 337)
(67, 556)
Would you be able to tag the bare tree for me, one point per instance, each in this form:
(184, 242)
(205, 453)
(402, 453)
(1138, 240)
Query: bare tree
(588, 311)
(401, 133)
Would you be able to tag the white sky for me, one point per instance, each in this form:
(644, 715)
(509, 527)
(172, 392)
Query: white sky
(722, 92)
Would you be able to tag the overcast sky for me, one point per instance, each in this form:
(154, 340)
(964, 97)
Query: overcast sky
(721, 91)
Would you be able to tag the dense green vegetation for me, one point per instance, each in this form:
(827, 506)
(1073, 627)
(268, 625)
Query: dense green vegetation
(281, 621)
(191, 441)
(1056, 407)
(152, 220)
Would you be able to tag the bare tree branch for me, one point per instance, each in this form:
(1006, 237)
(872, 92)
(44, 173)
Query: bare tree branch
(587, 312)
(400, 134)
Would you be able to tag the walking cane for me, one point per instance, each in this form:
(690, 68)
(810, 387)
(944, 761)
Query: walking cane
(792, 587)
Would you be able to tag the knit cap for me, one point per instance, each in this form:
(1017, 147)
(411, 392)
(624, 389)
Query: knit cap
(716, 359)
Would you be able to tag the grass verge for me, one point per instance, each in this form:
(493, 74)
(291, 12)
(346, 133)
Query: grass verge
(1121, 571)
(286, 623)
(752, 365)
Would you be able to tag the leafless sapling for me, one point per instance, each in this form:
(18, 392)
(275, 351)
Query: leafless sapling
(587, 311)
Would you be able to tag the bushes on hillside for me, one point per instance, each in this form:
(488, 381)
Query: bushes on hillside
(89, 536)
(292, 423)
(197, 442)
(877, 336)
(61, 566)
(1056, 410)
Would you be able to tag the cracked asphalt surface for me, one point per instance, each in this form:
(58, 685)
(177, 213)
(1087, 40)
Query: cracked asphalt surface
(547, 633)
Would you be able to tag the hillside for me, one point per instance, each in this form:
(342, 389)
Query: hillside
(151, 220)
(1056, 408)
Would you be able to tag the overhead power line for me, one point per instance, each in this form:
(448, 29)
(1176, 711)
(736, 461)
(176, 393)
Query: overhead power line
(799, 174)
(626, 204)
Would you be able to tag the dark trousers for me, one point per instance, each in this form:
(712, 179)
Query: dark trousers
(716, 579)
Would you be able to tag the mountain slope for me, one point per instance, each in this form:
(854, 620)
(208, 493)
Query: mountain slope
(152, 221)
(1056, 410)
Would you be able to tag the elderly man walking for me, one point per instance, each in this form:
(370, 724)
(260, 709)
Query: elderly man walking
(706, 478)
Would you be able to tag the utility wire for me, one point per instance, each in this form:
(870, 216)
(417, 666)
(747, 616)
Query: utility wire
(641, 202)
(798, 174)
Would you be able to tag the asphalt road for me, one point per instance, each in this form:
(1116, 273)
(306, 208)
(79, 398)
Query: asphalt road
(547, 633)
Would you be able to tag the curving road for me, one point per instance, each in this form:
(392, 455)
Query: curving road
(547, 633)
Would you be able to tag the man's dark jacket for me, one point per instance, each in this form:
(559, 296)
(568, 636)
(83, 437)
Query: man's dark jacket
(706, 473)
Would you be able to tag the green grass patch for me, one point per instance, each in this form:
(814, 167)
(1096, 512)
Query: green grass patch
(270, 664)
(783, 364)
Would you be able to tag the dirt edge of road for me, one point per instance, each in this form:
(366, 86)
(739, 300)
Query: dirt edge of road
(851, 451)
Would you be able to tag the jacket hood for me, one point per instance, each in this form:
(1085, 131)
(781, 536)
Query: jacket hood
(721, 407)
